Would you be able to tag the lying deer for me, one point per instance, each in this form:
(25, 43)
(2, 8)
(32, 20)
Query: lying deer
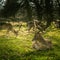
(8, 27)
(40, 43)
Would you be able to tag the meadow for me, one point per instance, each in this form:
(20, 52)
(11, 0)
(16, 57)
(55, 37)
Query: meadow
(20, 48)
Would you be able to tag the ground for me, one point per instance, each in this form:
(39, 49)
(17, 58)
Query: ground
(20, 48)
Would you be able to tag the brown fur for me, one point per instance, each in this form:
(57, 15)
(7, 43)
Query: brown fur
(40, 43)
(8, 27)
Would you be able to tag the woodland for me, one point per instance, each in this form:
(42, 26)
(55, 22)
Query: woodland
(29, 29)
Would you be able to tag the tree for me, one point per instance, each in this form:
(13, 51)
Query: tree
(45, 11)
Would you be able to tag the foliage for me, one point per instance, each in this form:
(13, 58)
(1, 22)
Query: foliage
(41, 10)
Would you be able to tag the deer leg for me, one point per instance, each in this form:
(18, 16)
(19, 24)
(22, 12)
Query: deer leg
(7, 33)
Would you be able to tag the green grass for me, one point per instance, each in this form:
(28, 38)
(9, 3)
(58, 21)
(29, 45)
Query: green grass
(20, 48)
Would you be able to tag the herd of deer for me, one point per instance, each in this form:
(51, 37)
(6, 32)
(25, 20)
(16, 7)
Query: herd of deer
(37, 40)
(9, 27)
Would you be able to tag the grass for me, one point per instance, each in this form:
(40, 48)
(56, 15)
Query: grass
(20, 48)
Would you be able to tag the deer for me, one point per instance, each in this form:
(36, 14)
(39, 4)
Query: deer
(8, 27)
(40, 43)
(35, 24)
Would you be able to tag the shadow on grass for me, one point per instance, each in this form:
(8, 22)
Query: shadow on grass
(41, 55)
(35, 55)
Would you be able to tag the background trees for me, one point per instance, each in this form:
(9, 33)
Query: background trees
(41, 12)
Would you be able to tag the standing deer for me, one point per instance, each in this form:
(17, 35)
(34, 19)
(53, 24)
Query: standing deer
(8, 27)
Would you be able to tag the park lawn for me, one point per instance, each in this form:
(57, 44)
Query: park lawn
(20, 48)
